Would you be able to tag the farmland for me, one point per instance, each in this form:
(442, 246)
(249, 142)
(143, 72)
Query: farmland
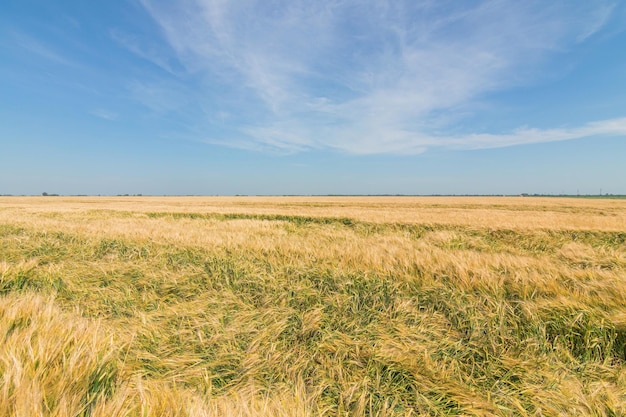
(312, 306)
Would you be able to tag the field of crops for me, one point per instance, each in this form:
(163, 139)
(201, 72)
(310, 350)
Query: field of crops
(312, 306)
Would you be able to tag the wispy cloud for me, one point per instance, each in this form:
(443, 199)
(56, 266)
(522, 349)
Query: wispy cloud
(39, 48)
(371, 77)
(592, 24)
(104, 114)
(159, 96)
(148, 51)
(522, 136)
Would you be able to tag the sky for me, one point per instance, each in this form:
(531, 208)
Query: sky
(225, 97)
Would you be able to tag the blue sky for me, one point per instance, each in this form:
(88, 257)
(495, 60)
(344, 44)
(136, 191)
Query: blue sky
(302, 97)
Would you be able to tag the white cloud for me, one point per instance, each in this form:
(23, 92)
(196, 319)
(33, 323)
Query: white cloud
(369, 77)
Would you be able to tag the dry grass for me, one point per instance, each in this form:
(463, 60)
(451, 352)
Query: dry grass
(312, 306)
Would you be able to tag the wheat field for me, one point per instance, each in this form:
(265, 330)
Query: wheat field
(312, 306)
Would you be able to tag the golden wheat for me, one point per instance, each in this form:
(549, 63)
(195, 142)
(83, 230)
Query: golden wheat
(500, 212)
(312, 306)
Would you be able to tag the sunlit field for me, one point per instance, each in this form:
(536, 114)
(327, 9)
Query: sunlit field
(312, 306)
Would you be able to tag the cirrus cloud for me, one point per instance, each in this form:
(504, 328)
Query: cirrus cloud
(380, 77)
